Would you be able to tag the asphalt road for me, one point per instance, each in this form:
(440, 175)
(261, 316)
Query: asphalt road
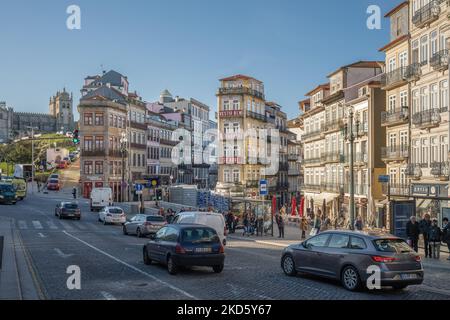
(112, 268)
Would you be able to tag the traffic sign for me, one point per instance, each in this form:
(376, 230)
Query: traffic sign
(263, 188)
(139, 187)
(383, 179)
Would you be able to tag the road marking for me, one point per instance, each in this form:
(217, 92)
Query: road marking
(93, 226)
(132, 267)
(80, 226)
(51, 225)
(37, 225)
(62, 254)
(107, 295)
(67, 226)
(22, 225)
(41, 235)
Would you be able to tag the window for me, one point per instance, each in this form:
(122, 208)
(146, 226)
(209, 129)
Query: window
(404, 99)
(444, 95)
(391, 65)
(235, 104)
(88, 168)
(111, 120)
(226, 175)
(399, 25)
(98, 167)
(415, 101)
(88, 145)
(424, 50)
(434, 103)
(99, 143)
(236, 175)
(392, 101)
(339, 241)
(111, 167)
(357, 243)
(99, 119)
(318, 241)
(415, 51)
(424, 99)
(403, 58)
(88, 121)
(434, 43)
(226, 105)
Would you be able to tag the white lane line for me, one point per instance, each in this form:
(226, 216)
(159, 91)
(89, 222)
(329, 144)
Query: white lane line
(22, 225)
(107, 295)
(67, 226)
(132, 267)
(37, 225)
(62, 254)
(41, 235)
(51, 225)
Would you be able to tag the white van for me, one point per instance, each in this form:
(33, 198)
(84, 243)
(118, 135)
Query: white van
(100, 198)
(210, 219)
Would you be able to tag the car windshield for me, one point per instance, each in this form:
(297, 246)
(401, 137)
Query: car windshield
(155, 218)
(53, 181)
(199, 235)
(6, 188)
(70, 206)
(392, 245)
(115, 210)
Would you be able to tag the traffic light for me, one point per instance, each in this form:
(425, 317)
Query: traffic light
(158, 194)
(75, 137)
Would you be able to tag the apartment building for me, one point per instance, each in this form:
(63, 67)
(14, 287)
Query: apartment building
(295, 156)
(137, 136)
(428, 77)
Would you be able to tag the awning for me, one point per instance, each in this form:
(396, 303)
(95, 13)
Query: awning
(320, 198)
(424, 204)
(381, 203)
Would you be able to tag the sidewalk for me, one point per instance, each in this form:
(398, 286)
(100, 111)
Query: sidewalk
(292, 235)
(16, 280)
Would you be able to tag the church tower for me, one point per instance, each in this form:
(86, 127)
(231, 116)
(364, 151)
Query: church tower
(61, 108)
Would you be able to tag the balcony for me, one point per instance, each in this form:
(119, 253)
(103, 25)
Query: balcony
(413, 72)
(394, 78)
(427, 14)
(252, 184)
(427, 119)
(240, 90)
(311, 187)
(138, 146)
(257, 116)
(293, 157)
(93, 153)
(312, 161)
(396, 189)
(440, 170)
(414, 170)
(359, 189)
(332, 187)
(439, 61)
(168, 142)
(137, 125)
(283, 166)
(394, 153)
(395, 118)
(332, 157)
(115, 153)
(293, 172)
(230, 160)
(231, 136)
(312, 135)
(231, 114)
(333, 125)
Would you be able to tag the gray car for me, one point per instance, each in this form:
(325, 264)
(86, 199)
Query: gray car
(346, 256)
(143, 225)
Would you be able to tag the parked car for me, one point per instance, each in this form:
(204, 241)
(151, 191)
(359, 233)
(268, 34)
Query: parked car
(62, 164)
(210, 219)
(184, 245)
(100, 198)
(143, 225)
(54, 176)
(53, 184)
(112, 215)
(68, 210)
(347, 255)
(67, 160)
(8, 193)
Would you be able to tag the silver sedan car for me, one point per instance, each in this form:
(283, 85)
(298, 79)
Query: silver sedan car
(143, 225)
(351, 257)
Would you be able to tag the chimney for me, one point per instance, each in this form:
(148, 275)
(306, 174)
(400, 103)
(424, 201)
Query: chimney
(177, 98)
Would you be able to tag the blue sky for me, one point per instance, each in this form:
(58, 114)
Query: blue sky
(182, 45)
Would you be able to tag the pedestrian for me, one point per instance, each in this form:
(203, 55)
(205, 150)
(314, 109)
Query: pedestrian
(358, 224)
(434, 239)
(412, 232)
(326, 223)
(246, 225)
(280, 223)
(74, 192)
(304, 226)
(317, 223)
(252, 224)
(425, 225)
(446, 234)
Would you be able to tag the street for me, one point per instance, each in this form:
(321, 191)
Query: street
(112, 267)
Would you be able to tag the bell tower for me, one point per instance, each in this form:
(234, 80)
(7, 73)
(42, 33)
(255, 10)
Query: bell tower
(61, 108)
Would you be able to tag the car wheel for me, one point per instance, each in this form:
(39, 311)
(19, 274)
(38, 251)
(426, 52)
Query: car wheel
(79, 218)
(350, 279)
(218, 269)
(124, 229)
(399, 286)
(288, 265)
(138, 233)
(60, 217)
(147, 259)
(171, 266)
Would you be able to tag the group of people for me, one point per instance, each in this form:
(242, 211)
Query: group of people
(432, 235)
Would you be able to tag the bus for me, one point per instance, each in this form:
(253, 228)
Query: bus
(19, 184)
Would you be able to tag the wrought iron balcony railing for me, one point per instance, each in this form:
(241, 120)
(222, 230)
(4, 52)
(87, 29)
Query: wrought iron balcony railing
(311, 187)
(427, 14)
(333, 125)
(241, 90)
(256, 116)
(427, 118)
(395, 153)
(414, 170)
(311, 161)
(440, 169)
(332, 157)
(439, 61)
(396, 189)
(394, 118)
(413, 72)
(394, 78)
(312, 134)
(93, 153)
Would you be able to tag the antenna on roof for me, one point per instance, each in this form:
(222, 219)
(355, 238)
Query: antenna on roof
(103, 69)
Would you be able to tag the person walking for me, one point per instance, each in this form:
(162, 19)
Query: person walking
(304, 227)
(434, 239)
(74, 192)
(317, 223)
(246, 225)
(280, 224)
(446, 234)
(412, 232)
(425, 225)
(358, 224)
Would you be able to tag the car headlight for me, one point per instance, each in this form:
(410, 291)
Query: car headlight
(1, 197)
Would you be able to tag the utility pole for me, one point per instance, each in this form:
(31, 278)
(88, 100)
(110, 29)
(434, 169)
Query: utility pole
(32, 157)
(123, 149)
(350, 135)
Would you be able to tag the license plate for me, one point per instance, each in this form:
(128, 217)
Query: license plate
(408, 276)
(71, 214)
(203, 250)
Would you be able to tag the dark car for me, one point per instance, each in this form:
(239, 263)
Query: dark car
(347, 256)
(185, 245)
(68, 210)
(7, 193)
(144, 224)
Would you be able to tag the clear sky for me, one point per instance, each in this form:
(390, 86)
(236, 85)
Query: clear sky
(182, 45)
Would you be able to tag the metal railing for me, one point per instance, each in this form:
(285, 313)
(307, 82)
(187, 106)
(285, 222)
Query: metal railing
(241, 90)
(389, 118)
(255, 115)
(400, 189)
(439, 61)
(427, 14)
(332, 187)
(310, 161)
(93, 153)
(311, 187)
(115, 153)
(427, 118)
(440, 169)
(413, 72)
(395, 152)
(394, 77)
(414, 170)
(333, 125)
(312, 134)
(333, 156)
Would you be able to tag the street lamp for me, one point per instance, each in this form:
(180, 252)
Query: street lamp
(351, 136)
(32, 155)
(123, 149)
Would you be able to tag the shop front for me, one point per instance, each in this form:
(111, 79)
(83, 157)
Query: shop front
(431, 199)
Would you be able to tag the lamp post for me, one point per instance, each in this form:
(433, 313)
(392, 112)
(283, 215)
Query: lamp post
(351, 136)
(123, 150)
(32, 156)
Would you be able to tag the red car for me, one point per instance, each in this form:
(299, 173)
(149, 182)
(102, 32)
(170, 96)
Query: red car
(53, 184)
(62, 165)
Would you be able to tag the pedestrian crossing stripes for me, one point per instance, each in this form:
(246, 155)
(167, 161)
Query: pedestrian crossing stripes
(60, 225)
(51, 225)
(67, 226)
(37, 225)
(22, 225)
